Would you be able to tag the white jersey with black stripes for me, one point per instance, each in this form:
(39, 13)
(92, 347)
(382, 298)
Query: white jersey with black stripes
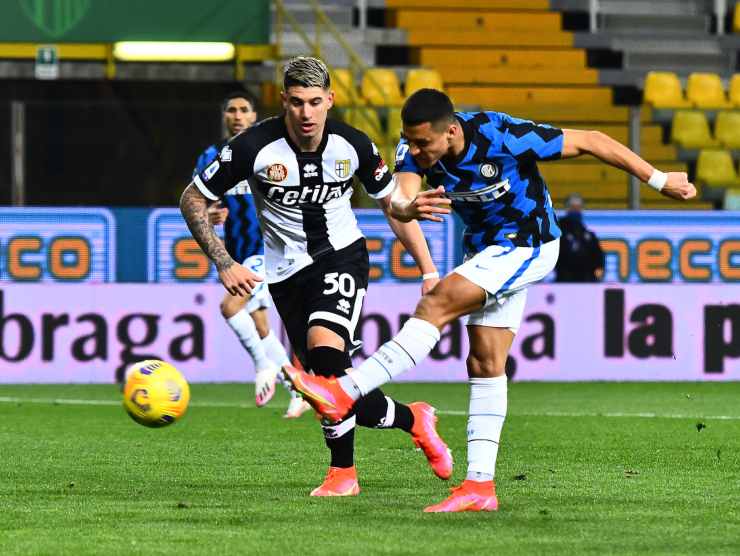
(302, 198)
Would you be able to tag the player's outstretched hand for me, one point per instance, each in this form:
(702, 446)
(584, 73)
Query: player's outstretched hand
(679, 187)
(429, 204)
(239, 280)
(217, 214)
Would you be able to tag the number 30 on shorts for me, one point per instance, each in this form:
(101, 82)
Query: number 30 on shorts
(343, 283)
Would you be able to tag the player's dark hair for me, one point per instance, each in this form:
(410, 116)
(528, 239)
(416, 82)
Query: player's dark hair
(246, 95)
(428, 105)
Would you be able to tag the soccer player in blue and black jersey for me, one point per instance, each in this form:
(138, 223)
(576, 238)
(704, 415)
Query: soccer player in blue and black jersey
(247, 316)
(482, 165)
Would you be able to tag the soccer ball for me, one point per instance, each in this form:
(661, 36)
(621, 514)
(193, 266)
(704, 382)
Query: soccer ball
(155, 394)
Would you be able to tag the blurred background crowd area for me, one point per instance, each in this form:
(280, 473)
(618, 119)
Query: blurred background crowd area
(109, 103)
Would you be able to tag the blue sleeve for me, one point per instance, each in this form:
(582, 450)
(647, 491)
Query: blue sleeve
(528, 141)
(206, 157)
(404, 161)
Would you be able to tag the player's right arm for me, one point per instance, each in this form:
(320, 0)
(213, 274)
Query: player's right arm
(233, 165)
(408, 202)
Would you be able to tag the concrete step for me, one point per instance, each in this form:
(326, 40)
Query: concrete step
(654, 24)
(683, 64)
(663, 7)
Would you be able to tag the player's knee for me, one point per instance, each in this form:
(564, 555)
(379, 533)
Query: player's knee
(231, 305)
(431, 308)
(487, 366)
(328, 361)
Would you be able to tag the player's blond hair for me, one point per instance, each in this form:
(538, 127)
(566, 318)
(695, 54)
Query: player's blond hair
(306, 71)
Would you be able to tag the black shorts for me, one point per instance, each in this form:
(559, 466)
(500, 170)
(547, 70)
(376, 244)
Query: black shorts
(329, 293)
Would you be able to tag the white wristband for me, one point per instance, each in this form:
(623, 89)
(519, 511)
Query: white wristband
(430, 275)
(658, 180)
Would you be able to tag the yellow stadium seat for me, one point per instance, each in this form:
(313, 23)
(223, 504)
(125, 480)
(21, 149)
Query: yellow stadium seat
(727, 129)
(705, 91)
(343, 85)
(715, 168)
(367, 120)
(395, 126)
(663, 90)
(735, 89)
(690, 130)
(423, 79)
(736, 20)
(380, 87)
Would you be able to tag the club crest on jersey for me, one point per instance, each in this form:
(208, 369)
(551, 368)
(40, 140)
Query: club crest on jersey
(310, 170)
(277, 172)
(341, 167)
(488, 170)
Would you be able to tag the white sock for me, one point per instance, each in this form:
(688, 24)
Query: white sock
(412, 344)
(487, 411)
(275, 350)
(244, 328)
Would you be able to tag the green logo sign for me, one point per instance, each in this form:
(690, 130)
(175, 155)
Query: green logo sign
(55, 17)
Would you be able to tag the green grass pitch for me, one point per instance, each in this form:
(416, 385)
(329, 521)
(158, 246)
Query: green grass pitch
(583, 469)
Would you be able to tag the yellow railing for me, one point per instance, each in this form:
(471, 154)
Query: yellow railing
(324, 26)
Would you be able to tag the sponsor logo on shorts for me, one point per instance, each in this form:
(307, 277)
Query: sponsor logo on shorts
(344, 306)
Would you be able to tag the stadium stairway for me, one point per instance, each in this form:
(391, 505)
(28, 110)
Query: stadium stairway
(516, 56)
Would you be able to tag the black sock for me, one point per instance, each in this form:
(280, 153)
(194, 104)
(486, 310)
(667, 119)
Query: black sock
(339, 437)
(371, 411)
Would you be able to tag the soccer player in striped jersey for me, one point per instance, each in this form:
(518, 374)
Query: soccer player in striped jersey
(247, 315)
(484, 166)
(300, 168)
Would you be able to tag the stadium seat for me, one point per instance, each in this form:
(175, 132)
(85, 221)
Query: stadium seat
(395, 125)
(690, 130)
(389, 93)
(663, 90)
(736, 20)
(367, 120)
(705, 91)
(422, 78)
(727, 129)
(343, 85)
(715, 168)
(735, 90)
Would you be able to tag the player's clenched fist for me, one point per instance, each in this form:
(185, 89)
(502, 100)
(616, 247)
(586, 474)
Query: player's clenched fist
(239, 280)
(428, 204)
(679, 187)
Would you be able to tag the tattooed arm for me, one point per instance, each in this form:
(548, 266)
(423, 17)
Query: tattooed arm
(236, 279)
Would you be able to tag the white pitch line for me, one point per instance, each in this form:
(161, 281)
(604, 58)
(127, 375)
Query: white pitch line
(455, 412)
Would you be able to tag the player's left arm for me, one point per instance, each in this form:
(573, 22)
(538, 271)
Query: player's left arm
(671, 184)
(412, 238)
(378, 182)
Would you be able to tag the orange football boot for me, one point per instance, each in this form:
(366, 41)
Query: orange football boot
(470, 496)
(425, 436)
(340, 481)
(325, 395)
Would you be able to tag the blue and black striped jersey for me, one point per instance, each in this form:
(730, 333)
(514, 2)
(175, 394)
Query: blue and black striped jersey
(494, 183)
(242, 233)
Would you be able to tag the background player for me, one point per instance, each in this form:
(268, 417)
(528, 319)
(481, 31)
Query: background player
(483, 165)
(300, 166)
(247, 315)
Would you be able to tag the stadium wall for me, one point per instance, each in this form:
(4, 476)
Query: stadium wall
(75, 303)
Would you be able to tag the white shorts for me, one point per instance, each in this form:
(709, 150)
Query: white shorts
(505, 273)
(260, 295)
